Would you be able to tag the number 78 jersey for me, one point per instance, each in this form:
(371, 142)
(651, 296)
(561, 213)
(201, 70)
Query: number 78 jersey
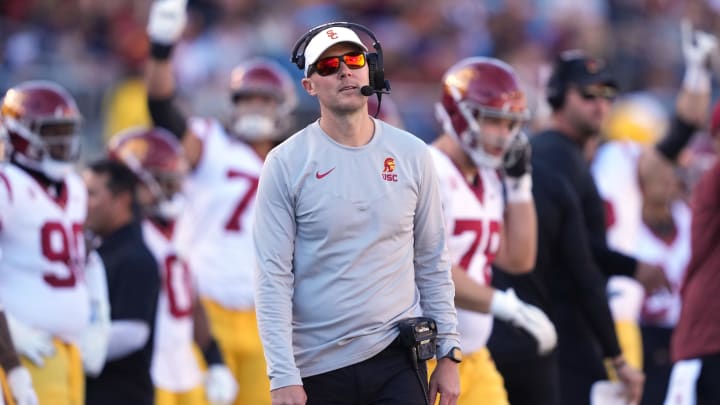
(473, 218)
(42, 253)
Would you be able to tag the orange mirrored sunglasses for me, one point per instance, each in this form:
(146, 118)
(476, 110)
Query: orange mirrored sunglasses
(331, 64)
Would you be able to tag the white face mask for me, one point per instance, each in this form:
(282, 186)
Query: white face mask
(478, 154)
(55, 170)
(253, 127)
(172, 208)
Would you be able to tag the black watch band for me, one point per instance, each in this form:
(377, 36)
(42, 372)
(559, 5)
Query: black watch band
(455, 354)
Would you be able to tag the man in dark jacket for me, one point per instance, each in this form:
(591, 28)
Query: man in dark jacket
(133, 287)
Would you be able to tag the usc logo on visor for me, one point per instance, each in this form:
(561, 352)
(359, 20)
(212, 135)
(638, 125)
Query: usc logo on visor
(331, 34)
(388, 169)
(331, 64)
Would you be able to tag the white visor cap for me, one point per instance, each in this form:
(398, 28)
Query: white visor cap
(327, 38)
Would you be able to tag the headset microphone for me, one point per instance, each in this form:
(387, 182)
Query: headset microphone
(368, 91)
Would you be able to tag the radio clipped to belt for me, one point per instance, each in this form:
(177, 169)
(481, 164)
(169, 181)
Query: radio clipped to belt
(418, 334)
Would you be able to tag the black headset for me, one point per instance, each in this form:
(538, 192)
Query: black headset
(378, 84)
(557, 83)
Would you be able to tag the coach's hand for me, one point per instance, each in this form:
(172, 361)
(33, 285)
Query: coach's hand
(445, 380)
(634, 380)
(290, 395)
(507, 306)
(652, 277)
(21, 387)
(220, 385)
(166, 21)
(33, 343)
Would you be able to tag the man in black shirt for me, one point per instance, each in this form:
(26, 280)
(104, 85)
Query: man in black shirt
(580, 92)
(133, 284)
(567, 285)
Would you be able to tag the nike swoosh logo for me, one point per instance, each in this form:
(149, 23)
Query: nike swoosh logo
(319, 175)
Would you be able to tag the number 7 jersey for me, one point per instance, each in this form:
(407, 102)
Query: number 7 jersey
(42, 253)
(473, 218)
(214, 233)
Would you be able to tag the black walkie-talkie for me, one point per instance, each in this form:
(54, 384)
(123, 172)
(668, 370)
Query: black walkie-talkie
(418, 334)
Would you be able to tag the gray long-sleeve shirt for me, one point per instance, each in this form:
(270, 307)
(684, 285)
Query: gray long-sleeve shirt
(349, 241)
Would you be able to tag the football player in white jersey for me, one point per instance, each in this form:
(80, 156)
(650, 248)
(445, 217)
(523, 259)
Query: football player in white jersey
(214, 231)
(13, 375)
(42, 210)
(490, 215)
(156, 157)
(634, 132)
(663, 239)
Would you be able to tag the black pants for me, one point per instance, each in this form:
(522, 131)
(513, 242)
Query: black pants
(575, 385)
(534, 381)
(389, 378)
(708, 384)
(656, 363)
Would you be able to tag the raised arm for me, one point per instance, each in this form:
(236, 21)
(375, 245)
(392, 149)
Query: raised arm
(693, 101)
(518, 248)
(165, 26)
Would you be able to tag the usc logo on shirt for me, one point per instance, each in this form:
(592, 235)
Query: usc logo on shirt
(388, 169)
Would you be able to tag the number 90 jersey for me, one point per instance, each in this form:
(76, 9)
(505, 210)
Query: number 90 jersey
(42, 253)
(473, 218)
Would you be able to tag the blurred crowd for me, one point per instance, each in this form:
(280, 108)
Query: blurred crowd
(648, 94)
(96, 49)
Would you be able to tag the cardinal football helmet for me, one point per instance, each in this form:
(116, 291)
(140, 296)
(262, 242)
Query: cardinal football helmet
(42, 122)
(265, 78)
(157, 158)
(477, 88)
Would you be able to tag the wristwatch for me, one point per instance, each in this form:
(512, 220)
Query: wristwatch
(455, 354)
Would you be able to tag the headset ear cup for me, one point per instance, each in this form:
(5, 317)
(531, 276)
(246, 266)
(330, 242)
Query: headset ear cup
(377, 75)
(556, 101)
(555, 92)
(380, 81)
(372, 62)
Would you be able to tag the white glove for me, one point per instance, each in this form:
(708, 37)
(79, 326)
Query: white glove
(21, 387)
(33, 343)
(220, 385)
(166, 21)
(697, 47)
(507, 306)
(95, 338)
